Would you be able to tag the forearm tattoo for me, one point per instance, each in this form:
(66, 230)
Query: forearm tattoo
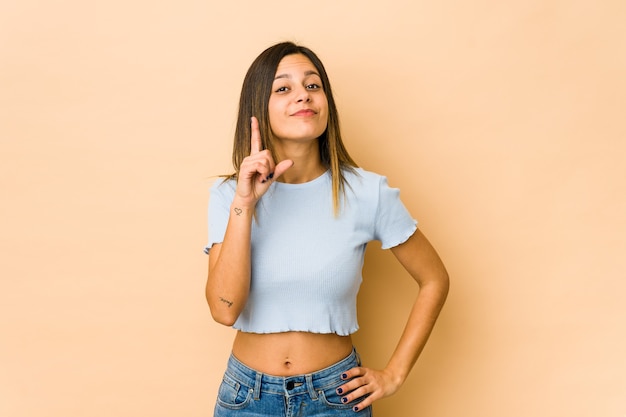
(237, 211)
(229, 303)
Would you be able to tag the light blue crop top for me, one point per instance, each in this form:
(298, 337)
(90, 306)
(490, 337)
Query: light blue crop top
(306, 263)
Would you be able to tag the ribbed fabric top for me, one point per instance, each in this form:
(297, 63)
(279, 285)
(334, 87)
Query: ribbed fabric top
(307, 262)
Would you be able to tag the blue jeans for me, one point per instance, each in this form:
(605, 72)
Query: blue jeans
(245, 392)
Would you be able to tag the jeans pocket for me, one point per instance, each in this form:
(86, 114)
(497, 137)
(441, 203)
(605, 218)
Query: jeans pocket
(233, 395)
(329, 396)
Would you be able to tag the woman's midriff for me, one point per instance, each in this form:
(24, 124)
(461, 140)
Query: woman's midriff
(290, 353)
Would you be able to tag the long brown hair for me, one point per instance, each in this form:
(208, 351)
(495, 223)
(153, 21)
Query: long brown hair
(254, 99)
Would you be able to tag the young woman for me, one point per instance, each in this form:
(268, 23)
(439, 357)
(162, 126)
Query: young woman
(287, 236)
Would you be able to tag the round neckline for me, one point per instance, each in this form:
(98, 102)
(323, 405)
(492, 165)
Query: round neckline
(312, 182)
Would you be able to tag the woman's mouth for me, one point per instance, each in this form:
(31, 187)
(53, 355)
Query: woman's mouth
(304, 112)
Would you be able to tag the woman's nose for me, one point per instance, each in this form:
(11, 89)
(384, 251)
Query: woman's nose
(303, 96)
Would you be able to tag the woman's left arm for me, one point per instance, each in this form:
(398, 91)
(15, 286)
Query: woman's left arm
(420, 260)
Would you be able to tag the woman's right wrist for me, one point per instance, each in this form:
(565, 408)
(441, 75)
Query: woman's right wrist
(239, 207)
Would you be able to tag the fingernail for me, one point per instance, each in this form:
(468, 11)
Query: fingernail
(344, 400)
(339, 391)
(355, 409)
(344, 376)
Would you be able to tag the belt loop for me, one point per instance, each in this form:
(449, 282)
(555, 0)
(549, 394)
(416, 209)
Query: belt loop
(257, 386)
(309, 386)
(358, 357)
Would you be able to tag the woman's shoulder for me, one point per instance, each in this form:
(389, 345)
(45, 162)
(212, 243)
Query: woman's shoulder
(363, 177)
(363, 185)
(223, 186)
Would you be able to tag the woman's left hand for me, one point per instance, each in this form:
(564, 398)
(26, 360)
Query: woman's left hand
(365, 381)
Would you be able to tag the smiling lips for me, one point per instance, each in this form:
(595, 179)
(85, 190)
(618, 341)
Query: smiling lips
(304, 112)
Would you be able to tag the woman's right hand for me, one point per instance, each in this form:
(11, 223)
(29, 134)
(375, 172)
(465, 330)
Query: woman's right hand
(257, 170)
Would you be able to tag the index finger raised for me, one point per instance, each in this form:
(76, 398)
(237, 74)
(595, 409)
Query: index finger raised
(255, 136)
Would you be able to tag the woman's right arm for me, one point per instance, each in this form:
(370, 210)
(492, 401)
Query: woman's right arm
(228, 283)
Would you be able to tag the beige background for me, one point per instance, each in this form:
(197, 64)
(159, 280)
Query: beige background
(501, 122)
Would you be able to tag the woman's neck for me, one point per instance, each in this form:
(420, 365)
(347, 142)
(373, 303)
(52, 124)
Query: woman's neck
(307, 164)
(299, 175)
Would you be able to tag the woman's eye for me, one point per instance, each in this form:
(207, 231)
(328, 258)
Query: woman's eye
(281, 89)
(313, 86)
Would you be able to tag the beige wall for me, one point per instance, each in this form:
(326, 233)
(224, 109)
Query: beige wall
(501, 121)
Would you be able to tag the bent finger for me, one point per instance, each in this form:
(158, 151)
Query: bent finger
(281, 167)
(363, 404)
(363, 395)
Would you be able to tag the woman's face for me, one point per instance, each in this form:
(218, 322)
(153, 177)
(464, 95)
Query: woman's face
(298, 108)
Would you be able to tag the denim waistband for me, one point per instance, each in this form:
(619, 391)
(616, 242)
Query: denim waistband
(291, 385)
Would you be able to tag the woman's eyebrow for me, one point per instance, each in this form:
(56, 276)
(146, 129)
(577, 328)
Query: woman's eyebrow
(306, 74)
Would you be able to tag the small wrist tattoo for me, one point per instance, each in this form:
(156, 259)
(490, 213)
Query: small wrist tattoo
(223, 300)
(238, 211)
